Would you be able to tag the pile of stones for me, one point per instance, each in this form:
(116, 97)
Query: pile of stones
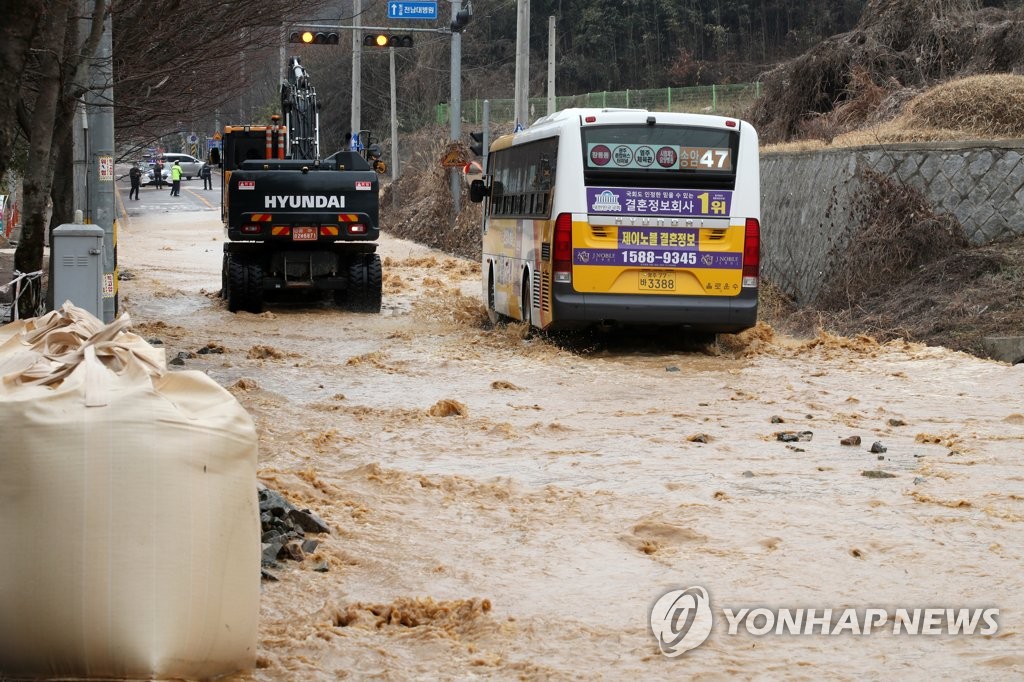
(284, 529)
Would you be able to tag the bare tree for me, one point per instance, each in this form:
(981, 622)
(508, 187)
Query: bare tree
(17, 30)
(39, 128)
(187, 59)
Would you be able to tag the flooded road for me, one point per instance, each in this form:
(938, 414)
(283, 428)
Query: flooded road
(511, 507)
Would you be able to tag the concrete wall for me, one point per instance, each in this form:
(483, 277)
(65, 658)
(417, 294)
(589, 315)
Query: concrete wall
(807, 200)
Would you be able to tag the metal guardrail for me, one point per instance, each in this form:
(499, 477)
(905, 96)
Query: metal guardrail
(20, 284)
(704, 99)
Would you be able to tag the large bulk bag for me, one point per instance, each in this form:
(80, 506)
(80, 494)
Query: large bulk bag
(129, 521)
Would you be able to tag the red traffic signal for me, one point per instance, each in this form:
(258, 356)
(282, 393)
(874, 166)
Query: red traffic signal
(387, 40)
(310, 36)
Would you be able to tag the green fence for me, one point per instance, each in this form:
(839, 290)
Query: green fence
(729, 100)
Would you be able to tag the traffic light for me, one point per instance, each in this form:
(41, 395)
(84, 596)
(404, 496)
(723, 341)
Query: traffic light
(461, 19)
(477, 146)
(309, 36)
(387, 40)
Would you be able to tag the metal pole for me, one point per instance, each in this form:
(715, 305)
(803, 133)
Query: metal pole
(100, 192)
(551, 65)
(522, 87)
(455, 107)
(486, 142)
(394, 125)
(281, 56)
(357, 64)
(81, 155)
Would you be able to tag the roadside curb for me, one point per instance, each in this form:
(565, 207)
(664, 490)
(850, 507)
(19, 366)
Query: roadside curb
(122, 209)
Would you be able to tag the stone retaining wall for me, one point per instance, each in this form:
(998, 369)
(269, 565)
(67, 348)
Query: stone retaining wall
(807, 200)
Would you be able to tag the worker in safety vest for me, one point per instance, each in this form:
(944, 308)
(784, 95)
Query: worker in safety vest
(176, 179)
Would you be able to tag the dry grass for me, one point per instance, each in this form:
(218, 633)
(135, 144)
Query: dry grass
(977, 107)
(418, 206)
(897, 46)
(898, 234)
(981, 107)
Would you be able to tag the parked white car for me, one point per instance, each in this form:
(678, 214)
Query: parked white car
(190, 166)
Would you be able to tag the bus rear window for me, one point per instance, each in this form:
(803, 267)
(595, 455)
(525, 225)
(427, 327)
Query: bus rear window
(659, 150)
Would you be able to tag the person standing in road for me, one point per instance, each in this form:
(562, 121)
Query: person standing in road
(205, 174)
(135, 175)
(158, 174)
(176, 179)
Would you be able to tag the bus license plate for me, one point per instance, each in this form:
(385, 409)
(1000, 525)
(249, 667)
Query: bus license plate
(303, 234)
(657, 280)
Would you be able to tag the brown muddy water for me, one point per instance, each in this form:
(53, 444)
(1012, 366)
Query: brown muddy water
(510, 508)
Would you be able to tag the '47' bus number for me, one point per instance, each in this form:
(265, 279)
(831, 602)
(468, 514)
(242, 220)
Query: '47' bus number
(662, 258)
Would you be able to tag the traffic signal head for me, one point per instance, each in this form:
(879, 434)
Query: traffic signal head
(313, 37)
(477, 146)
(387, 40)
(461, 19)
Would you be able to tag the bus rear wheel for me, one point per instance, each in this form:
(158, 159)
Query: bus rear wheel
(527, 304)
(492, 314)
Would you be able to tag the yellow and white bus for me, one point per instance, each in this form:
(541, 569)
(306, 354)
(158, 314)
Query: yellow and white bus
(623, 216)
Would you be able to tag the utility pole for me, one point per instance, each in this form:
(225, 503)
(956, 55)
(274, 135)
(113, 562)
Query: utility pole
(281, 56)
(455, 106)
(357, 66)
(99, 198)
(522, 90)
(394, 125)
(551, 65)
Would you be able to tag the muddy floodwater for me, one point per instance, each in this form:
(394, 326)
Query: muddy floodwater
(511, 508)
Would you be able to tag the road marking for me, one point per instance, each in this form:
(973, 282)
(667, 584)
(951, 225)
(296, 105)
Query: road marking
(201, 198)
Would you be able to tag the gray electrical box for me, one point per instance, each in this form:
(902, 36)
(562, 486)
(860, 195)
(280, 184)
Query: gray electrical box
(78, 267)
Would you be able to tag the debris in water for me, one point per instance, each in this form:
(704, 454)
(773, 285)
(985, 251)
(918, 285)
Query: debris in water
(504, 386)
(262, 352)
(776, 419)
(181, 357)
(897, 422)
(454, 619)
(877, 473)
(794, 436)
(699, 438)
(877, 447)
(448, 408)
(850, 440)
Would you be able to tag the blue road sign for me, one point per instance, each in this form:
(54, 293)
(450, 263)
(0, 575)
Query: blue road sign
(412, 10)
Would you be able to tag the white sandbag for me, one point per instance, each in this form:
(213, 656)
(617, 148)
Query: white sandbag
(129, 522)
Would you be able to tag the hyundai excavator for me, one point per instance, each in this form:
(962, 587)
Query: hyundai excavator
(296, 221)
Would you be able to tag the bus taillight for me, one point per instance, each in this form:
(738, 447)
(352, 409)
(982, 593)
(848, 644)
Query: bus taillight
(752, 253)
(562, 252)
